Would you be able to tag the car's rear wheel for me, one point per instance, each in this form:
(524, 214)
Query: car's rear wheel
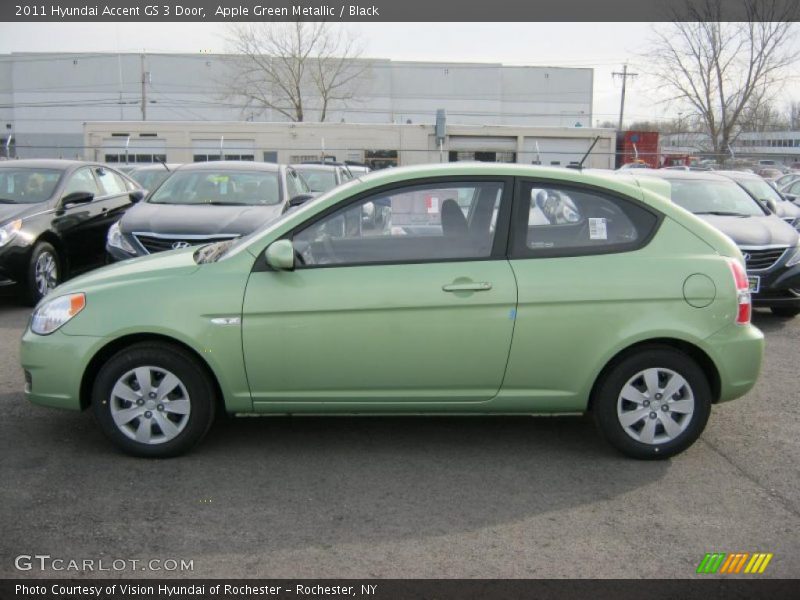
(652, 404)
(787, 312)
(154, 400)
(44, 272)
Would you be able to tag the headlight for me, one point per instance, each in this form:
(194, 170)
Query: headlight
(794, 258)
(115, 239)
(53, 314)
(8, 231)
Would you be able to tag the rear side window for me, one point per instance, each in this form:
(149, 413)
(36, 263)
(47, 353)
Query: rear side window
(555, 220)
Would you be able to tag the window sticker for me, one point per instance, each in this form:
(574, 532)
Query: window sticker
(597, 229)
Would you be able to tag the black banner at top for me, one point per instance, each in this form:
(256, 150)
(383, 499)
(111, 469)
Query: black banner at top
(396, 10)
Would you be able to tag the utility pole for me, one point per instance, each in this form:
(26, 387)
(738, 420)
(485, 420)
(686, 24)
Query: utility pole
(145, 78)
(624, 75)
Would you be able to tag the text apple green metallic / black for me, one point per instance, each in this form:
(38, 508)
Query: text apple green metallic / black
(441, 289)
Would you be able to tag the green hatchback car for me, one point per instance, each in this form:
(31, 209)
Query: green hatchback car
(483, 288)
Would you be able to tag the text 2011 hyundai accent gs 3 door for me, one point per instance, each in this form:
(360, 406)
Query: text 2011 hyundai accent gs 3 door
(496, 289)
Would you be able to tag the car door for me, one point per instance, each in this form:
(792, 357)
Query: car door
(416, 309)
(73, 222)
(582, 285)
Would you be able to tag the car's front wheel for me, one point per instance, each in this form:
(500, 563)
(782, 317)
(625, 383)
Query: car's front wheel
(154, 400)
(44, 272)
(652, 404)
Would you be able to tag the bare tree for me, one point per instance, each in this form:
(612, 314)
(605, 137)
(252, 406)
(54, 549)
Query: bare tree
(717, 71)
(295, 68)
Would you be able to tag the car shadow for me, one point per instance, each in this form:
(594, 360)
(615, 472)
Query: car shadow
(296, 482)
(767, 322)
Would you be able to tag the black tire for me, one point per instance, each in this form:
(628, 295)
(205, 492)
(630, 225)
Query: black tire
(607, 398)
(160, 357)
(33, 292)
(786, 312)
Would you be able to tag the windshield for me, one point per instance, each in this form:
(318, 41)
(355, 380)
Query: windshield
(149, 179)
(252, 188)
(19, 185)
(317, 179)
(704, 196)
(761, 190)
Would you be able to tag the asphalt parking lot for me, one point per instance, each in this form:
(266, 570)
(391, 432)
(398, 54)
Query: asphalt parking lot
(413, 497)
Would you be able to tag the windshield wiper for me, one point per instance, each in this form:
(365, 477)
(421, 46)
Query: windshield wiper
(229, 203)
(722, 213)
(7, 201)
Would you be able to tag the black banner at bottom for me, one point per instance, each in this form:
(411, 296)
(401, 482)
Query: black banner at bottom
(391, 589)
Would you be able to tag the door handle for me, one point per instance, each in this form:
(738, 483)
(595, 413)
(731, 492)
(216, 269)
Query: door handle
(467, 287)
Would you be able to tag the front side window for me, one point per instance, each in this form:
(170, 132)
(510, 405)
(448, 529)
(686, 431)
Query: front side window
(434, 222)
(111, 183)
(295, 184)
(220, 188)
(318, 180)
(82, 181)
(556, 220)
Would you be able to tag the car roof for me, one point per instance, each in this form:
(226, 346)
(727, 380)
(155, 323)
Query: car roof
(315, 167)
(153, 167)
(735, 175)
(680, 174)
(50, 163)
(231, 165)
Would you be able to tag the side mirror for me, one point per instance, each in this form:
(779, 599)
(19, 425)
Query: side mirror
(770, 205)
(280, 255)
(300, 199)
(137, 195)
(77, 198)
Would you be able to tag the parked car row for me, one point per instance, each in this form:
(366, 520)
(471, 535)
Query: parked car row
(59, 218)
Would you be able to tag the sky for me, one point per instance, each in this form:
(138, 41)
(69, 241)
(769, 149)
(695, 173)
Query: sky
(602, 46)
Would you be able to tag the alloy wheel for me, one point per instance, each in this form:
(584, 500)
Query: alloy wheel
(45, 273)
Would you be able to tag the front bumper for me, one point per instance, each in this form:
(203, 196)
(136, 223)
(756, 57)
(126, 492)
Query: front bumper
(737, 352)
(779, 286)
(54, 366)
(14, 261)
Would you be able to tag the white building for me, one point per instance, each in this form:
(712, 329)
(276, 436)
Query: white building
(45, 98)
(377, 145)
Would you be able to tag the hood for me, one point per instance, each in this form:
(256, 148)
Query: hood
(9, 212)
(200, 219)
(768, 230)
(133, 273)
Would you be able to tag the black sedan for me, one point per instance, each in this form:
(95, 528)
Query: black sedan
(206, 202)
(54, 217)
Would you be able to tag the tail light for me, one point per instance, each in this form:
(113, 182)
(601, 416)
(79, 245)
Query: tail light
(742, 292)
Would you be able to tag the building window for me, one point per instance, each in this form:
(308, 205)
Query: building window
(380, 159)
(121, 157)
